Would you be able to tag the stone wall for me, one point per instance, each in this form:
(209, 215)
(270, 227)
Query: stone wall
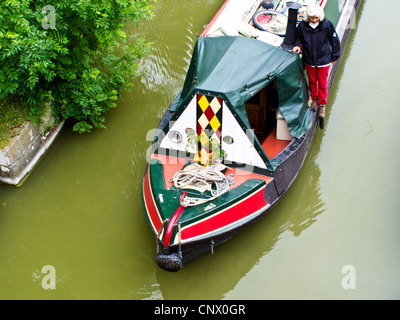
(24, 151)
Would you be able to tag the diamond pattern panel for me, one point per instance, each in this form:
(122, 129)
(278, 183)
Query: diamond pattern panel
(209, 124)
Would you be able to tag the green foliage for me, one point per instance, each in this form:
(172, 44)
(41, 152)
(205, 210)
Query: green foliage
(82, 65)
(216, 151)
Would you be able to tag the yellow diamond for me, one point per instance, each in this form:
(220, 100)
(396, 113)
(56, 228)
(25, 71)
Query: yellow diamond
(203, 103)
(203, 138)
(214, 122)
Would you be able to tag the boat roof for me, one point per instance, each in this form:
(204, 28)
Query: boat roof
(236, 68)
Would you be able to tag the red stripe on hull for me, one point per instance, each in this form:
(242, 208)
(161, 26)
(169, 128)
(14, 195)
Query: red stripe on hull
(151, 208)
(214, 19)
(229, 216)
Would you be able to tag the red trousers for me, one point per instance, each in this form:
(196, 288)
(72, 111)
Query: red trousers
(317, 80)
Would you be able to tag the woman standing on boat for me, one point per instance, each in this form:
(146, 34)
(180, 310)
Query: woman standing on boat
(316, 37)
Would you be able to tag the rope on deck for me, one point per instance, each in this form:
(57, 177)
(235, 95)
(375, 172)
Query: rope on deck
(202, 179)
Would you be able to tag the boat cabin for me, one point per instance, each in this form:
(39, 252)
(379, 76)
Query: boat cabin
(251, 111)
(267, 121)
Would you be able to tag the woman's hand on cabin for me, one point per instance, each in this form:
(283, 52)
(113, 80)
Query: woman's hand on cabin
(296, 49)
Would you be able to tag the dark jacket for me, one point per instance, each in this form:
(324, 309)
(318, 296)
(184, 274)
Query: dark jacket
(321, 45)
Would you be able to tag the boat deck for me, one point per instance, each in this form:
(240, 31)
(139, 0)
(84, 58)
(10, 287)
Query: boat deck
(273, 146)
(172, 165)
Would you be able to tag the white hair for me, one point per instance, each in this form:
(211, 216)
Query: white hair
(315, 10)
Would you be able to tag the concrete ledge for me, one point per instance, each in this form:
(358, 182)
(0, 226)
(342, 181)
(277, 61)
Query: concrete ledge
(24, 151)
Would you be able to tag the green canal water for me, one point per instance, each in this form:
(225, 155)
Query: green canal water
(335, 234)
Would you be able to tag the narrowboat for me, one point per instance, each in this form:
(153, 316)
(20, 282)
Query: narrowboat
(234, 139)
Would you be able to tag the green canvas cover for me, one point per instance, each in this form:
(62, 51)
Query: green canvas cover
(238, 67)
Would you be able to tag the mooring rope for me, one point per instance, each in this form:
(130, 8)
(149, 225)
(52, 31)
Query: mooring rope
(199, 178)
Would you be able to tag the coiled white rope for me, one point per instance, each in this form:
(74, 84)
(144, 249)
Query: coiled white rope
(200, 178)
